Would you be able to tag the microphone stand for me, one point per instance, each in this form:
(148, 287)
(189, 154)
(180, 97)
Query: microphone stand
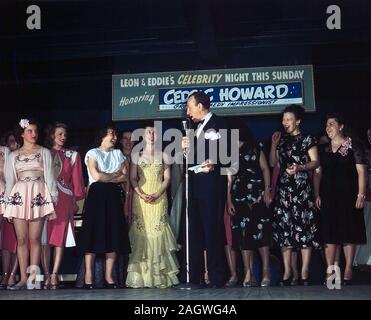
(187, 285)
(187, 214)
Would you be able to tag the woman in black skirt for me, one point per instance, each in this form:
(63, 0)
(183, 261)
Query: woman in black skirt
(340, 188)
(104, 229)
(249, 197)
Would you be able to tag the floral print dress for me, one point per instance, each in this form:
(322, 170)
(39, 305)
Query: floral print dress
(251, 224)
(295, 218)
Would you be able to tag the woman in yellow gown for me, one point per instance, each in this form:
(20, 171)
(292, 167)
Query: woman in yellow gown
(152, 262)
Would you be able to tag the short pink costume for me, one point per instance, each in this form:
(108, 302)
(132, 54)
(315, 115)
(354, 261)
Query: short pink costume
(30, 185)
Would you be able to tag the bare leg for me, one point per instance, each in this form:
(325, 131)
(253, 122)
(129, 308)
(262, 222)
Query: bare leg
(251, 262)
(45, 257)
(231, 259)
(58, 255)
(35, 228)
(264, 253)
(21, 230)
(337, 255)
(89, 263)
(45, 263)
(306, 254)
(294, 265)
(246, 256)
(286, 254)
(110, 263)
(330, 254)
(5, 256)
(14, 267)
(349, 251)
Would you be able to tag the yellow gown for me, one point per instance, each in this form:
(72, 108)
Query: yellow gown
(152, 262)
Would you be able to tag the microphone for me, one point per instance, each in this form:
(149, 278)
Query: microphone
(185, 125)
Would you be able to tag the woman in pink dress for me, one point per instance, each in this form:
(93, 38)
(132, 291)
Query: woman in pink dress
(70, 185)
(9, 239)
(30, 192)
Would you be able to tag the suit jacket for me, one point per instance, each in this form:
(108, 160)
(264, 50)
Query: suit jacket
(208, 185)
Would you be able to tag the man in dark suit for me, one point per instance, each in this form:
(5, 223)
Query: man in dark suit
(207, 194)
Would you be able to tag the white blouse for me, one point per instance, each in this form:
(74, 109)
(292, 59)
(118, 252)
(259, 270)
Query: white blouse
(108, 161)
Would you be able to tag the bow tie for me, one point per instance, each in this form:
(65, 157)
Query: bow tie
(201, 122)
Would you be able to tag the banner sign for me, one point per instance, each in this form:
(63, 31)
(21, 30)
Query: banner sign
(232, 91)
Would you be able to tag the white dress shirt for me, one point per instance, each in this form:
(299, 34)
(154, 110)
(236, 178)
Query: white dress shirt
(200, 127)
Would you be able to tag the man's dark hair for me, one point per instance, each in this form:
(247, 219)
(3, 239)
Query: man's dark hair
(201, 97)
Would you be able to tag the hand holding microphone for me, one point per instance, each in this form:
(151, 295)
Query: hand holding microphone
(185, 139)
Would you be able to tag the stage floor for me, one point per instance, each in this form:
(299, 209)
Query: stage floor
(356, 292)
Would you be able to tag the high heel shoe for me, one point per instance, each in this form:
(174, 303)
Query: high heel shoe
(349, 275)
(232, 282)
(13, 278)
(88, 286)
(54, 281)
(46, 285)
(18, 286)
(108, 285)
(347, 282)
(305, 282)
(266, 282)
(266, 278)
(286, 282)
(4, 281)
(254, 283)
(247, 284)
(294, 282)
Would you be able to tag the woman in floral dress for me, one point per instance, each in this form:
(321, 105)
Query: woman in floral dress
(249, 197)
(294, 218)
